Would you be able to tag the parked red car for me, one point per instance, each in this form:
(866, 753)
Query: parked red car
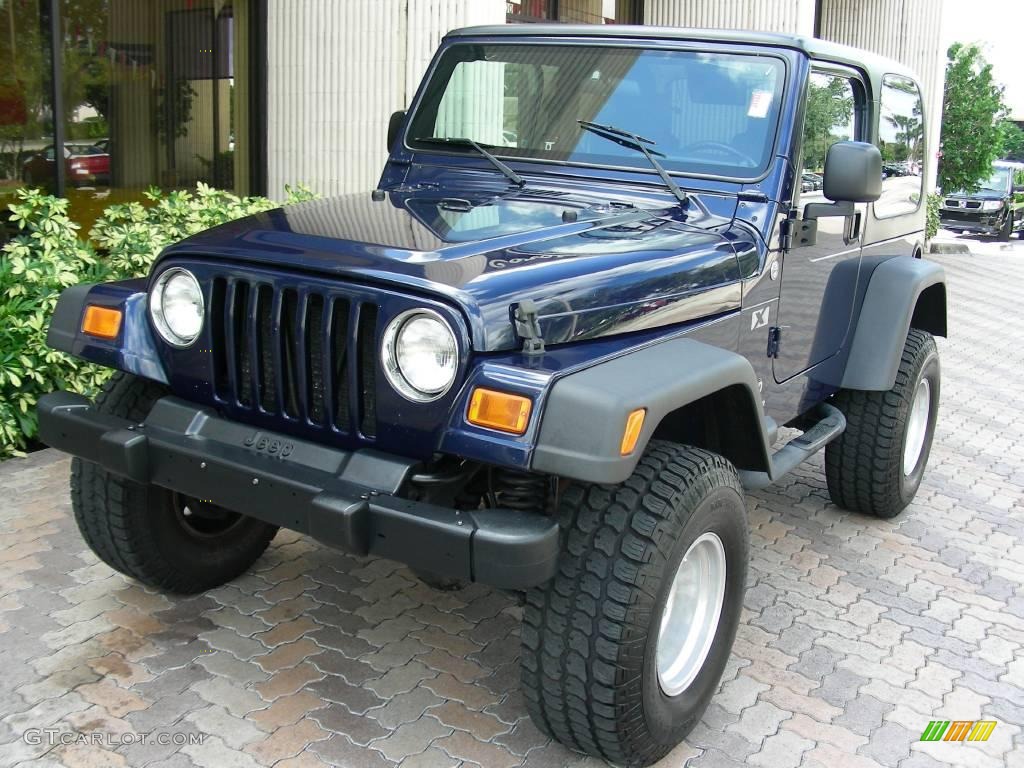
(85, 165)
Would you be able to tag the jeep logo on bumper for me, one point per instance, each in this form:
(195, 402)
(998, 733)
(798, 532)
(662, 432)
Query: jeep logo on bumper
(268, 445)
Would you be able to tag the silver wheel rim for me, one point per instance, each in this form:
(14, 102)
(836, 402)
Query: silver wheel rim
(917, 426)
(690, 618)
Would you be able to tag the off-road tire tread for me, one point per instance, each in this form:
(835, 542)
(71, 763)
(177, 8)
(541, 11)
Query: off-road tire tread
(863, 465)
(578, 628)
(103, 503)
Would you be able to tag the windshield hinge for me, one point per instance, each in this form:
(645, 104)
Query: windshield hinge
(528, 327)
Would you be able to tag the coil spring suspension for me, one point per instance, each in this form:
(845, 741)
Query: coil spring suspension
(523, 491)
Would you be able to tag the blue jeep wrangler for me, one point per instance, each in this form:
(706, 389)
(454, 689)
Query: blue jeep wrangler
(548, 353)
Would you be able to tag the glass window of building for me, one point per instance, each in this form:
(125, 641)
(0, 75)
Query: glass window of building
(26, 99)
(154, 94)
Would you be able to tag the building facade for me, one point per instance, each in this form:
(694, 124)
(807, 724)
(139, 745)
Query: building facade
(252, 95)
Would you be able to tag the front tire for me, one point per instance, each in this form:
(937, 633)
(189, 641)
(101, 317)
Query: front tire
(609, 666)
(1007, 229)
(876, 465)
(163, 539)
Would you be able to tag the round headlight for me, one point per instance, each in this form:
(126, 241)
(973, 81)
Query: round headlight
(176, 306)
(420, 355)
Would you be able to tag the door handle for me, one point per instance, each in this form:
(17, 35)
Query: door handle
(852, 233)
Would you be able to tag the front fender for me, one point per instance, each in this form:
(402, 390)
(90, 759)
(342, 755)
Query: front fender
(892, 296)
(585, 413)
(133, 351)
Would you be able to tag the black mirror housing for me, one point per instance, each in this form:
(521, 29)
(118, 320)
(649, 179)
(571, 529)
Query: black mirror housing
(853, 172)
(394, 126)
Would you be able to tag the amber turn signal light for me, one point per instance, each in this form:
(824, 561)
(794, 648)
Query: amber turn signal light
(101, 321)
(499, 410)
(634, 423)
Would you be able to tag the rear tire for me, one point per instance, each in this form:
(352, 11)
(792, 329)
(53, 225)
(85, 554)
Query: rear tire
(159, 537)
(876, 465)
(599, 671)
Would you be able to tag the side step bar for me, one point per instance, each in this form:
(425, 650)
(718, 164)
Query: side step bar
(799, 449)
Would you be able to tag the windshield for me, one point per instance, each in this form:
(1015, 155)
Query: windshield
(708, 113)
(999, 181)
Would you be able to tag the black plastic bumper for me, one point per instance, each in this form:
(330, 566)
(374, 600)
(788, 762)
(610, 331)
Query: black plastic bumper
(343, 498)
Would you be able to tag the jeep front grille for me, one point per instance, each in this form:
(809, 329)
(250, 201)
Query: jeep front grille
(305, 356)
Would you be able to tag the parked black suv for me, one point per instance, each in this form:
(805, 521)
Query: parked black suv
(549, 353)
(993, 210)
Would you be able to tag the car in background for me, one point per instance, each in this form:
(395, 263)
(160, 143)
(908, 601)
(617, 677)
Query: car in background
(811, 182)
(994, 209)
(86, 165)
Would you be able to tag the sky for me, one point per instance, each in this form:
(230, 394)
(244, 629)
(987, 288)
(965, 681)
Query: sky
(998, 25)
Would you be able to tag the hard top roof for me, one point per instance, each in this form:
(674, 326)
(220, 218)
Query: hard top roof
(817, 49)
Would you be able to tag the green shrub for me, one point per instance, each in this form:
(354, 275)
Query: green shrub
(931, 223)
(47, 255)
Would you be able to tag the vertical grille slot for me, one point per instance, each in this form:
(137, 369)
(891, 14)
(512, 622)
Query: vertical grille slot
(265, 382)
(314, 358)
(220, 349)
(368, 369)
(287, 351)
(339, 363)
(240, 339)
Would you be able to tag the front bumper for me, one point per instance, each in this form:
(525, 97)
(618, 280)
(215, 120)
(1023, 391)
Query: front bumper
(982, 225)
(346, 499)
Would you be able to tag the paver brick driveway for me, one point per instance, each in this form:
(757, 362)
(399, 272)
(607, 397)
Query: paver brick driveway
(856, 633)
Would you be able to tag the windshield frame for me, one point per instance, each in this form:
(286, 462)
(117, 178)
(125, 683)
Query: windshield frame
(682, 46)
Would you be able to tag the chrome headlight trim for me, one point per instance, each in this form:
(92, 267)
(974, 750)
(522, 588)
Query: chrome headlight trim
(158, 313)
(392, 365)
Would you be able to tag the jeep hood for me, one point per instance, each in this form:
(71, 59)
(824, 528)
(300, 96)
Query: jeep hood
(604, 267)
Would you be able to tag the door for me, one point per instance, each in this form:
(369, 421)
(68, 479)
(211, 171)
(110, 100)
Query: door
(819, 281)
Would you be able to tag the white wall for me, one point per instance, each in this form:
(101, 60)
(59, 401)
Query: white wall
(789, 16)
(335, 73)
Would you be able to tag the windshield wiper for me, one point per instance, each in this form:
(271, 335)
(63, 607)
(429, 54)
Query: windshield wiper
(514, 177)
(633, 141)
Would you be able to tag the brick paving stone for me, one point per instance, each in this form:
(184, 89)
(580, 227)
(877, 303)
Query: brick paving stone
(287, 741)
(288, 681)
(411, 738)
(360, 729)
(355, 698)
(339, 751)
(287, 710)
(473, 696)
(432, 757)
(116, 700)
(480, 724)
(785, 749)
(217, 721)
(462, 745)
(405, 707)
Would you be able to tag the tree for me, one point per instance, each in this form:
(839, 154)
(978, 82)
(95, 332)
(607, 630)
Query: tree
(1013, 141)
(972, 110)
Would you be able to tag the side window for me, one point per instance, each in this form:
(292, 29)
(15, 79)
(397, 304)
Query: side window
(830, 116)
(901, 142)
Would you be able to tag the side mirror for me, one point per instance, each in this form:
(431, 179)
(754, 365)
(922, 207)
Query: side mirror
(853, 172)
(394, 126)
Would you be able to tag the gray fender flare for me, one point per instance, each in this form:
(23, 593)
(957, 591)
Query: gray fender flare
(892, 294)
(585, 413)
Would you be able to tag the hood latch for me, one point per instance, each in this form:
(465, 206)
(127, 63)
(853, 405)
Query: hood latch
(528, 327)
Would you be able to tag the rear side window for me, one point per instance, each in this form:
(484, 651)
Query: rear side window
(901, 142)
